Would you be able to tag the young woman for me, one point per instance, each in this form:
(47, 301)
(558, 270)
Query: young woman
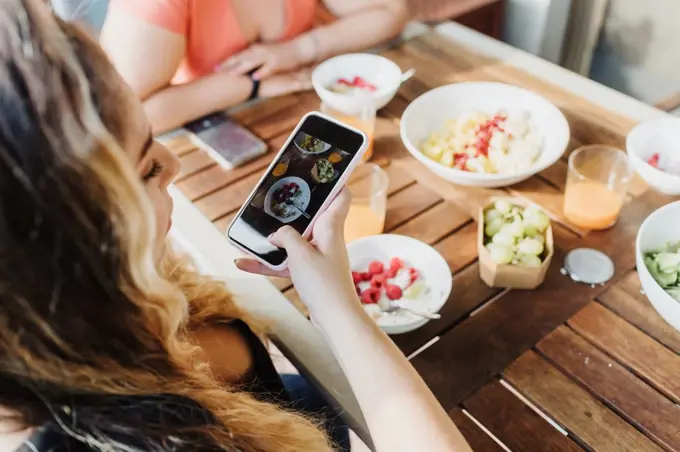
(107, 342)
(187, 58)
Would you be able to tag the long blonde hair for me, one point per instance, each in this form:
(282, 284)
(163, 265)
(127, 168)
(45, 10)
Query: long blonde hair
(91, 328)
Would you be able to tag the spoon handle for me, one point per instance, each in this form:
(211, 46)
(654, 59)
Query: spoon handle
(426, 315)
(407, 75)
(304, 214)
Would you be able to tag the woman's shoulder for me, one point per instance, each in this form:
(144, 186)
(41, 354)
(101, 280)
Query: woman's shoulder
(227, 348)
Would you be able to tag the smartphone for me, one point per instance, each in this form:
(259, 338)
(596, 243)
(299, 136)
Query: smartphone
(229, 143)
(308, 172)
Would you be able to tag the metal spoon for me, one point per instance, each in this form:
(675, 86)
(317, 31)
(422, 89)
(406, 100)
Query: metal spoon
(426, 315)
(407, 75)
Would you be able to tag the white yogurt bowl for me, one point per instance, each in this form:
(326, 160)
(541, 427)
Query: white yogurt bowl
(660, 136)
(433, 269)
(659, 229)
(429, 112)
(378, 70)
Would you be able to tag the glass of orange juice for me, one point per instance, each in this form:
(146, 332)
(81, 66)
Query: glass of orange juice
(597, 181)
(362, 119)
(368, 185)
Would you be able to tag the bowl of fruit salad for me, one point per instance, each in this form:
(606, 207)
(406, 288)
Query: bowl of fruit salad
(484, 134)
(350, 82)
(515, 244)
(657, 250)
(395, 275)
(654, 151)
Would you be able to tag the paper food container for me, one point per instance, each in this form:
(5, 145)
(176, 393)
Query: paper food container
(508, 275)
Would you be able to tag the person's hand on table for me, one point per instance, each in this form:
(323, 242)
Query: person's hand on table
(292, 82)
(318, 267)
(268, 59)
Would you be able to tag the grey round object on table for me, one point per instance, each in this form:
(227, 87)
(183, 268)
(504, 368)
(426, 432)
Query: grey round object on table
(589, 266)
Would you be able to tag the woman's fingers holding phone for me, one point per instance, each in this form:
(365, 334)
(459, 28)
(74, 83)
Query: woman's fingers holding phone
(287, 238)
(320, 270)
(290, 240)
(329, 229)
(253, 266)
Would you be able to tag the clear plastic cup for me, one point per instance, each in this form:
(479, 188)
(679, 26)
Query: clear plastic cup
(597, 181)
(363, 120)
(368, 185)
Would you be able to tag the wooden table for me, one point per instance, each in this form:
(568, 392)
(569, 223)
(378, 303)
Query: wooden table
(563, 367)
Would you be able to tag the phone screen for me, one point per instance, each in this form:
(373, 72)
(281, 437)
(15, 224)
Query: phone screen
(298, 184)
(225, 139)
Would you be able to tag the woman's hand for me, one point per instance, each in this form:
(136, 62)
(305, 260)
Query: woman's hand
(281, 84)
(319, 269)
(268, 59)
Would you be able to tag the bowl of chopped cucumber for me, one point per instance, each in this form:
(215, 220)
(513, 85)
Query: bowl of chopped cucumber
(657, 250)
(515, 243)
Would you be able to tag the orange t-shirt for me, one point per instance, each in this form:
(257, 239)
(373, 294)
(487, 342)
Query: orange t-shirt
(210, 27)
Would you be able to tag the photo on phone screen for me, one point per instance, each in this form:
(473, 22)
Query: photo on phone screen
(297, 185)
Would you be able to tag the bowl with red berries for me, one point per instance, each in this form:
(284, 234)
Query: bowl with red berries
(395, 276)
(350, 82)
(654, 151)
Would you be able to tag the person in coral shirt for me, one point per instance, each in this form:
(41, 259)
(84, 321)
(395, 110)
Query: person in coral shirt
(188, 58)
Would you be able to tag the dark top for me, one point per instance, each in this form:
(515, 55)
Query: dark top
(263, 382)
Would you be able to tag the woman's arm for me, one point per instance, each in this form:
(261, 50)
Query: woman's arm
(361, 24)
(401, 412)
(147, 56)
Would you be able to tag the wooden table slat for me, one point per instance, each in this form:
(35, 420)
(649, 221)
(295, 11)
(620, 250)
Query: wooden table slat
(573, 408)
(180, 144)
(460, 249)
(399, 179)
(260, 110)
(479, 441)
(407, 204)
(469, 292)
(618, 388)
(626, 299)
(216, 177)
(194, 162)
(435, 223)
(283, 120)
(556, 174)
(631, 347)
(228, 199)
(515, 423)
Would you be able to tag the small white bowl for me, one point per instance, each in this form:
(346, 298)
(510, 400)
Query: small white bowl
(433, 269)
(658, 229)
(378, 70)
(660, 136)
(429, 112)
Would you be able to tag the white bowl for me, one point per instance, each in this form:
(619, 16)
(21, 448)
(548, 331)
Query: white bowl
(658, 229)
(433, 268)
(378, 70)
(429, 112)
(657, 136)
